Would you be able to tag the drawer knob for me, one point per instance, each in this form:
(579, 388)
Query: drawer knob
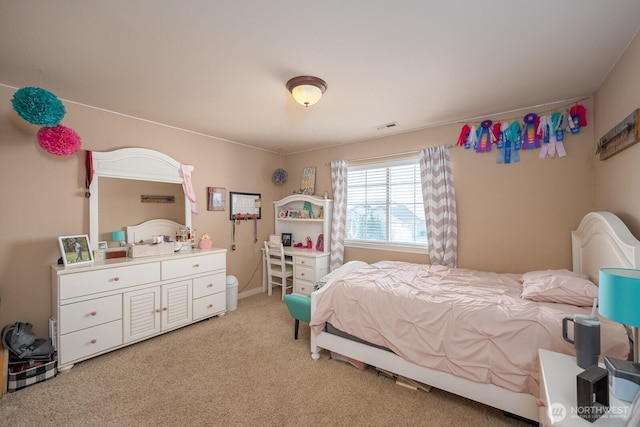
(93, 313)
(210, 285)
(115, 279)
(210, 306)
(302, 262)
(164, 309)
(93, 341)
(196, 265)
(157, 310)
(302, 274)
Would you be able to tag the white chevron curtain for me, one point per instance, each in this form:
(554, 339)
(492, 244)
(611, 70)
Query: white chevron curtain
(439, 199)
(339, 217)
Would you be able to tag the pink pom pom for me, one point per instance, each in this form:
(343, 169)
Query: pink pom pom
(59, 140)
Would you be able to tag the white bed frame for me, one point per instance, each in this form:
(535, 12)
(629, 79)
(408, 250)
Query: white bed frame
(601, 240)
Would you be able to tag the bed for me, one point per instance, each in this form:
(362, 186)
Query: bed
(462, 320)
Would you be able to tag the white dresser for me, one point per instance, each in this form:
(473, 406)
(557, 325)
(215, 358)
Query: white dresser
(120, 301)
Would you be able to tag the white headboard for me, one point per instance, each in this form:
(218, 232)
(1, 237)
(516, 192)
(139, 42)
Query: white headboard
(154, 227)
(602, 240)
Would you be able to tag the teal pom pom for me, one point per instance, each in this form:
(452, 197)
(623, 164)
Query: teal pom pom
(38, 106)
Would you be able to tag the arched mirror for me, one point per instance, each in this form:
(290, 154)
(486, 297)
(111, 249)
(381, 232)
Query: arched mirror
(121, 173)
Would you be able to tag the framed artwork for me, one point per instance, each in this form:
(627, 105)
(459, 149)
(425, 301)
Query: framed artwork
(308, 184)
(75, 250)
(244, 206)
(622, 136)
(286, 239)
(102, 245)
(216, 198)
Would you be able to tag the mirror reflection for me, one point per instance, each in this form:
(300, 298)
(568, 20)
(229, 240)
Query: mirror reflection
(120, 204)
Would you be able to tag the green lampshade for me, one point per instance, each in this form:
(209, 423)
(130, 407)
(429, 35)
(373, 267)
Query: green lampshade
(619, 295)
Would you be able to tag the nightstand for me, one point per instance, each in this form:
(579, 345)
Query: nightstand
(558, 394)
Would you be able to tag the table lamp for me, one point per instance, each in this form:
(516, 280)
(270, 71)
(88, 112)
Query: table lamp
(118, 236)
(619, 300)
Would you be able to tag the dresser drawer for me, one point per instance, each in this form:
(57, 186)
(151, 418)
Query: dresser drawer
(304, 273)
(192, 265)
(208, 285)
(209, 305)
(90, 282)
(304, 261)
(84, 343)
(303, 287)
(89, 313)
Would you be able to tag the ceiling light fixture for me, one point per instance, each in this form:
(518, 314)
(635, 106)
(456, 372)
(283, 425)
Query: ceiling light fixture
(306, 90)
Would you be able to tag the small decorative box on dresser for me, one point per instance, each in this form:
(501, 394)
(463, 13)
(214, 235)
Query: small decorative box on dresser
(120, 301)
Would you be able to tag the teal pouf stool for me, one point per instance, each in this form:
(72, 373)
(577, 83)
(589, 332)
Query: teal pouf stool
(299, 307)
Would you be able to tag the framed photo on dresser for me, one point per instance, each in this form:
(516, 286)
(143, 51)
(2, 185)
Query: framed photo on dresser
(76, 250)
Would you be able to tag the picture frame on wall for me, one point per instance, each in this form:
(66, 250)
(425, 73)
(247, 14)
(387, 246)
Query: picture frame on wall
(75, 250)
(308, 183)
(216, 198)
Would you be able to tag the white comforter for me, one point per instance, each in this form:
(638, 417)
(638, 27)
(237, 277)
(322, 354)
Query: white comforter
(468, 323)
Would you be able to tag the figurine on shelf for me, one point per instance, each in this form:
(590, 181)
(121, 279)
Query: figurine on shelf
(309, 242)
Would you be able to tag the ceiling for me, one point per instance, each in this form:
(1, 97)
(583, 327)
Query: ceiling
(219, 68)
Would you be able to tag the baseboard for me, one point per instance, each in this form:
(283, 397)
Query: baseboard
(250, 293)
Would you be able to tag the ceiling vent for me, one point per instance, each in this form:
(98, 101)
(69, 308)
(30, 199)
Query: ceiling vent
(387, 126)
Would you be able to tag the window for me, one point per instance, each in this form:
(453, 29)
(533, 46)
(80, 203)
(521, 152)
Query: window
(384, 205)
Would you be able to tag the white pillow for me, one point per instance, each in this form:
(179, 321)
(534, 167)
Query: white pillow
(559, 286)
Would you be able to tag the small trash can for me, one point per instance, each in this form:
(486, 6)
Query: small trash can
(232, 293)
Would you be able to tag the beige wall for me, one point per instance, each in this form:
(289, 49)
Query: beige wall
(617, 179)
(511, 218)
(42, 198)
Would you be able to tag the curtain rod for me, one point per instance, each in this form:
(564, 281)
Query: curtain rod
(405, 154)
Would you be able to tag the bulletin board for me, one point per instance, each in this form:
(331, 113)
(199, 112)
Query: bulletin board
(244, 206)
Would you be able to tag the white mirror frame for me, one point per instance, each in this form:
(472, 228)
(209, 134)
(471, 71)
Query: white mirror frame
(133, 163)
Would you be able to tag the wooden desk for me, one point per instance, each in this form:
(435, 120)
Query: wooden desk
(309, 265)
